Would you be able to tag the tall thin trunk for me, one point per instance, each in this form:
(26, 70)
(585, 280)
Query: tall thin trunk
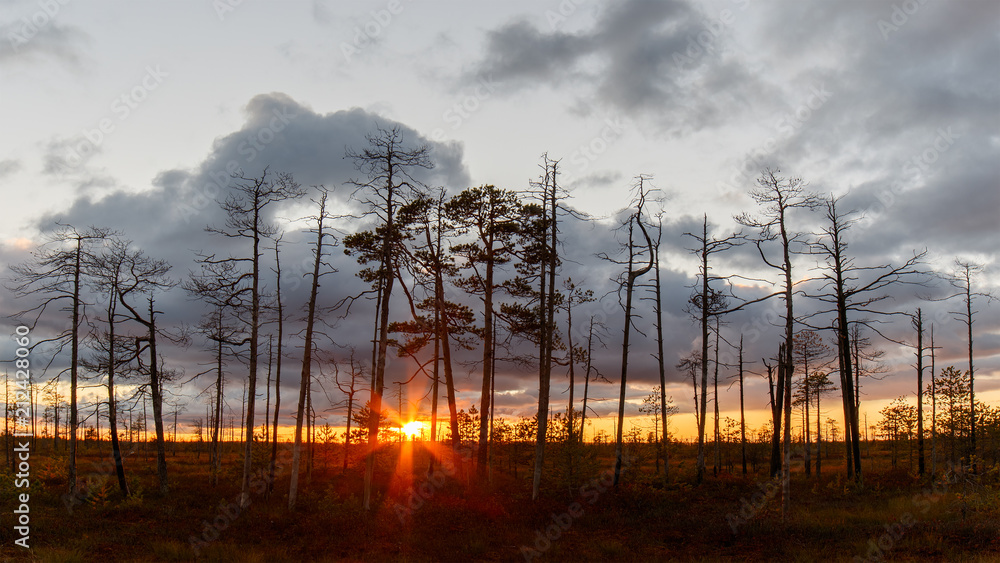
(116, 451)
(484, 402)
(493, 378)
(310, 431)
(571, 435)
(547, 314)
(819, 434)
(586, 379)
(306, 374)
(74, 356)
(805, 418)
(785, 370)
(157, 395)
(272, 465)
(972, 374)
(443, 335)
(743, 423)
(252, 384)
(631, 276)
(216, 460)
(933, 409)
(435, 391)
(920, 392)
(659, 353)
(378, 375)
(717, 461)
(267, 400)
(704, 353)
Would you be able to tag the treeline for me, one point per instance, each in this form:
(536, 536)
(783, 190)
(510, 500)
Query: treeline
(481, 272)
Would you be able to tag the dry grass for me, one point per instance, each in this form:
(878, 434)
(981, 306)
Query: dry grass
(643, 520)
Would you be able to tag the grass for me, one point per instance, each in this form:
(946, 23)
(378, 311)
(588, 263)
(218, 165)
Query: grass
(642, 520)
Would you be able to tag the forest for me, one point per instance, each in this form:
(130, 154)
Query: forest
(460, 290)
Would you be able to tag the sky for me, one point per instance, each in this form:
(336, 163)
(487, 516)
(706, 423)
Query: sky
(133, 116)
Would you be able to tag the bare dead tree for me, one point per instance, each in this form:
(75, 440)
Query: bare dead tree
(962, 278)
(108, 276)
(53, 275)
(550, 218)
(535, 320)
(146, 277)
(246, 207)
(849, 289)
(590, 369)
(707, 303)
(305, 380)
(349, 386)
(626, 283)
(779, 196)
(918, 325)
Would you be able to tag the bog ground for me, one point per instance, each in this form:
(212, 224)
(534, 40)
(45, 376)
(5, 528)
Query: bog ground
(442, 515)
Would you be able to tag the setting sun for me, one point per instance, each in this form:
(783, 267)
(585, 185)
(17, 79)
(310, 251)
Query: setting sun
(413, 428)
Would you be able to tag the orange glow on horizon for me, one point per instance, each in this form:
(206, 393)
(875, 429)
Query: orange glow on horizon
(413, 428)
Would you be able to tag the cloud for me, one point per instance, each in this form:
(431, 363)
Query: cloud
(168, 220)
(24, 42)
(649, 59)
(9, 167)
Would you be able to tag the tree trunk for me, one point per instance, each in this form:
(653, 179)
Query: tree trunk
(743, 423)
(586, 379)
(272, 465)
(659, 356)
(785, 371)
(306, 374)
(920, 392)
(717, 461)
(73, 374)
(252, 384)
(157, 394)
(267, 400)
(116, 452)
(484, 402)
(933, 408)
(216, 460)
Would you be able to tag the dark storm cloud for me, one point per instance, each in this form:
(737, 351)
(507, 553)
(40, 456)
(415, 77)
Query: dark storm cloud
(650, 58)
(167, 221)
(910, 103)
